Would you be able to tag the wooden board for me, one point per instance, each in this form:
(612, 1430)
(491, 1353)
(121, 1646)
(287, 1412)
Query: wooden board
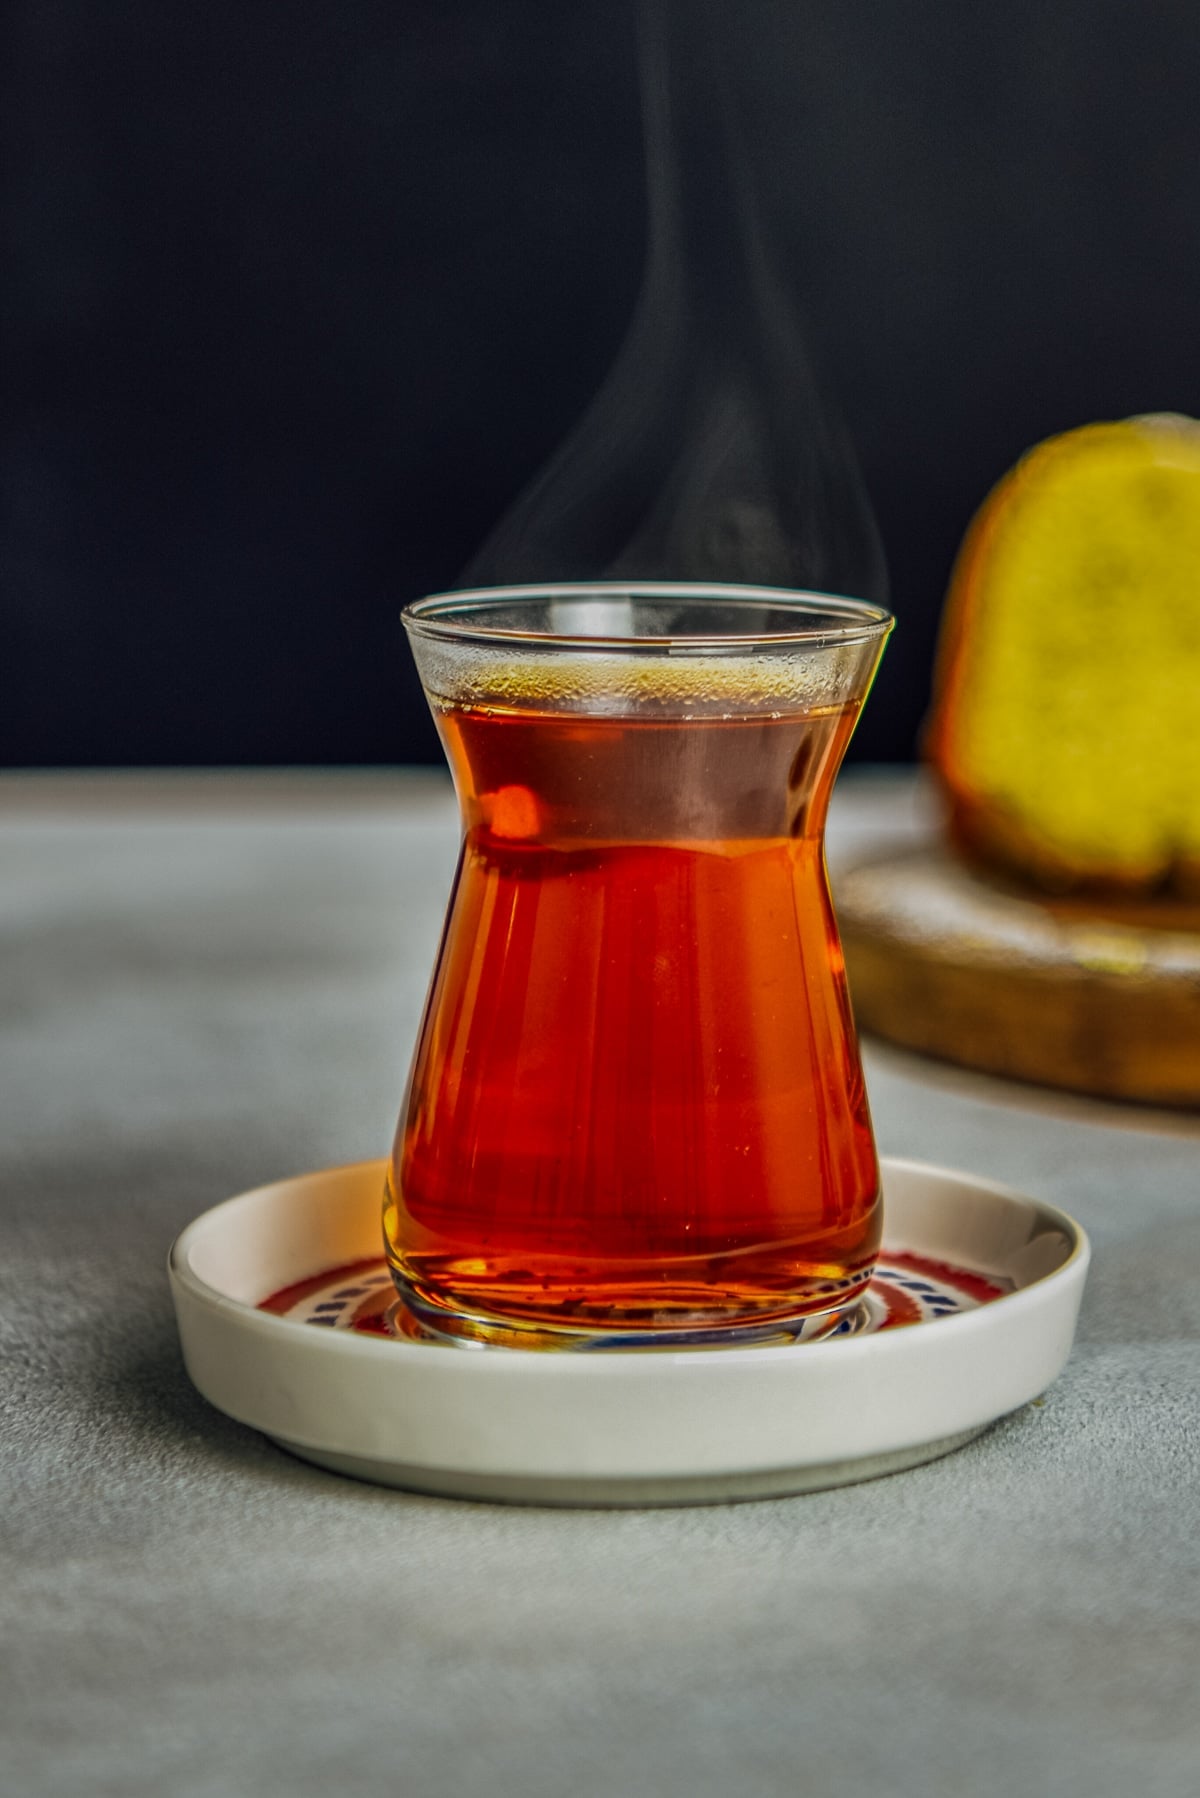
(1096, 997)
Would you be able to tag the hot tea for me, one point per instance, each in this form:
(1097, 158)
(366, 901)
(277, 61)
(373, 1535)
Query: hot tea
(637, 1102)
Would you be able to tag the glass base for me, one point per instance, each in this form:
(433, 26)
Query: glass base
(413, 1318)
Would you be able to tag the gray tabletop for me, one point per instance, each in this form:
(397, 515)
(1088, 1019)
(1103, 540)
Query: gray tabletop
(210, 982)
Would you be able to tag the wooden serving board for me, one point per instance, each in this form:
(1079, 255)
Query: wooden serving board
(1097, 997)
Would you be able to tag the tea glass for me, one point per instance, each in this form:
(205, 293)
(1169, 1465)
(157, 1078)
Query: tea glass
(636, 1114)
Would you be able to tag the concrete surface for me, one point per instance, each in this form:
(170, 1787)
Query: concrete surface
(209, 982)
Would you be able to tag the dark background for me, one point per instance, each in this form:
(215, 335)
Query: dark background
(297, 297)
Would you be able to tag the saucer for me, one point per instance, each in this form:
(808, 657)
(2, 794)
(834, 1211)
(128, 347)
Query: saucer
(286, 1322)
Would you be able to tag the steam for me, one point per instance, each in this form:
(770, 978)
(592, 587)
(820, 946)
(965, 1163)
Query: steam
(711, 452)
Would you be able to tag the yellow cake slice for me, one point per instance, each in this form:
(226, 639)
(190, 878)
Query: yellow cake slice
(1066, 719)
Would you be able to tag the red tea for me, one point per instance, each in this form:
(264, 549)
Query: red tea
(637, 1101)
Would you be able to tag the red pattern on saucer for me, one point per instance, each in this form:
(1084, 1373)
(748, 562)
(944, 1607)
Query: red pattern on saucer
(905, 1289)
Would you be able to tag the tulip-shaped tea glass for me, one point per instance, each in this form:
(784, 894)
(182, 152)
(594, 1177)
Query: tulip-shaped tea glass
(636, 1112)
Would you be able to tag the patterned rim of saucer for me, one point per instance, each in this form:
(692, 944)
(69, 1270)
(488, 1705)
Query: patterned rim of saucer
(905, 1289)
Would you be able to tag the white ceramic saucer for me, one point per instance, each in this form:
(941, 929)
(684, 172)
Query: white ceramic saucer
(631, 1427)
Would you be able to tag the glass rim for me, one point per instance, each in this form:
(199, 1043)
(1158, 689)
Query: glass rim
(448, 617)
